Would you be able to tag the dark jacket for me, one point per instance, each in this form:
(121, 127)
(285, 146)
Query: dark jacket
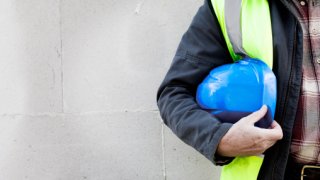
(203, 48)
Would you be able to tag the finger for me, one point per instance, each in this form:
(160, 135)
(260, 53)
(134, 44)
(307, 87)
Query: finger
(256, 116)
(277, 128)
(267, 146)
(273, 134)
(274, 124)
(271, 143)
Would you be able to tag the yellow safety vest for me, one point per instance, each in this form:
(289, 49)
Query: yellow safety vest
(247, 30)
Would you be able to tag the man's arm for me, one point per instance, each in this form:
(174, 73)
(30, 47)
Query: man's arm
(201, 49)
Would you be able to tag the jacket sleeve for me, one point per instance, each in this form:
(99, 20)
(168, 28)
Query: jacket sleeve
(202, 48)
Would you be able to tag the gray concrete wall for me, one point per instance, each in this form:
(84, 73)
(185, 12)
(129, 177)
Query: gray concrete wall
(78, 87)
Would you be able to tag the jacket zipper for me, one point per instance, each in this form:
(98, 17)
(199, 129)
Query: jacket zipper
(289, 81)
(291, 74)
(286, 100)
(286, 96)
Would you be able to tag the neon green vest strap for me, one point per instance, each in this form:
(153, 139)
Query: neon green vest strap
(246, 27)
(242, 168)
(253, 17)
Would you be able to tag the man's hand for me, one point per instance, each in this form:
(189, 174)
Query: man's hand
(244, 139)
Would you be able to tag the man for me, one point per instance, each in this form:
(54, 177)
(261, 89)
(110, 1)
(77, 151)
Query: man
(292, 141)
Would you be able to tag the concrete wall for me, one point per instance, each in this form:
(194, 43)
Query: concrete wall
(78, 87)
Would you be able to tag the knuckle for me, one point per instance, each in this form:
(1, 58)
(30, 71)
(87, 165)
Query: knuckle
(264, 146)
(260, 138)
(278, 136)
(261, 152)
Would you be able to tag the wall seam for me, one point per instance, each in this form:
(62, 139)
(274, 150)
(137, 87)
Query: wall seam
(61, 56)
(164, 170)
(73, 113)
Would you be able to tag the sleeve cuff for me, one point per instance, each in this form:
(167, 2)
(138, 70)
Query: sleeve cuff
(221, 160)
(215, 158)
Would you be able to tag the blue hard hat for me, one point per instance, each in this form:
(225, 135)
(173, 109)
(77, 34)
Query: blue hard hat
(235, 90)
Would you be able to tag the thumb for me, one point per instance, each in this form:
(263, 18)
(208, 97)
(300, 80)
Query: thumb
(256, 116)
